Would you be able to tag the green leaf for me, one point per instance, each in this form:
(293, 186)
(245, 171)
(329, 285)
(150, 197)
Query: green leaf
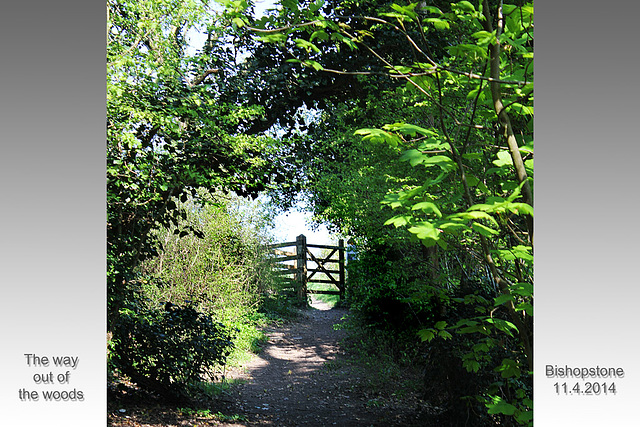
(442, 243)
(466, 6)
(413, 156)
(399, 220)
(430, 9)
(273, 38)
(452, 227)
(407, 11)
(315, 65)
(409, 129)
(238, 22)
(528, 164)
(483, 229)
(308, 46)
(527, 307)
(509, 368)
(316, 6)
(469, 215)
(399, 69)
(425, 230)
(426, 334)
(444, 335)
(471, 365)
(290, 4)
(346, 40)
(485, 38)
(427, 207)
(472, 181)
(519, 108)
(501, 299)
(500, 205)
(481, 347)
(433, 144)
(393, 200)
(440, 325)
(444, 162)
(501, 407)
(516, 252)
(439, 24)
(471, 51)
(398, 16)
(378, 135)
(320, 35)
(516, 193)
(504, 159)
(502, 325)
(522, 289)
(525, 417)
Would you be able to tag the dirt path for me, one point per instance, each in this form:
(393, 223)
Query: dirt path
(300, 379)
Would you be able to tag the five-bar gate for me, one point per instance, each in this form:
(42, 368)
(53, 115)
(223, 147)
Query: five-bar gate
(323, 267)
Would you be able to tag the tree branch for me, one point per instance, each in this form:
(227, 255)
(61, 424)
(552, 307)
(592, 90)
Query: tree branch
(203, 76)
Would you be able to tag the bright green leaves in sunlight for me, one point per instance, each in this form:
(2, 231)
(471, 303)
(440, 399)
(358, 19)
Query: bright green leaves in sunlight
(427, 207)
(409, 129)
(306, 45)
(379, 135)
(416, 157)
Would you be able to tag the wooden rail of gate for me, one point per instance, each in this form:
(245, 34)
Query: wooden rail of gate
(302, 275)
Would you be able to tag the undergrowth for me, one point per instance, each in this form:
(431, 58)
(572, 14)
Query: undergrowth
(390, 364)
(222, 279)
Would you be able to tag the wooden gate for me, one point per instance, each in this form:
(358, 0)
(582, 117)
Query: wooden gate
(310, 267)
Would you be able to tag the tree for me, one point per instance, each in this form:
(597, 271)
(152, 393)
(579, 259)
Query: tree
(168, 129)
(469, 139)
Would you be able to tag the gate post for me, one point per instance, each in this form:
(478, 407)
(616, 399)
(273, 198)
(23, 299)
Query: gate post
(341, 264)
(301, 268)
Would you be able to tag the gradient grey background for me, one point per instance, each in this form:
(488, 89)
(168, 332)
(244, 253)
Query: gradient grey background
(52, 233)
(587, 255)
(52, 228)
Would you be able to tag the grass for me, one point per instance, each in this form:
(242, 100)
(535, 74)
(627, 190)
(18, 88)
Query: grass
(249, 338)
(331, 300)
(206, 413)
(247, 341)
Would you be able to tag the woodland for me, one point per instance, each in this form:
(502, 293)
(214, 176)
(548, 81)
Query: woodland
(405, 127)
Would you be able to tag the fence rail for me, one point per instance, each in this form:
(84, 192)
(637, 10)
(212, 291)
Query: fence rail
(302, 275)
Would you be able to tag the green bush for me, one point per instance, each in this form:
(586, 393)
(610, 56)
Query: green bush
(225, 273)
(166, 350)
(388, 288)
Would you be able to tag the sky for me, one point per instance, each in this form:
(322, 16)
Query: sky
(294, 222)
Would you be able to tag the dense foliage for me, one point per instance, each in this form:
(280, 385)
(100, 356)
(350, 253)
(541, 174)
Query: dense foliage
(406, 126)
(169, 133)
(169, 350)
(224, 274)
(454, 95)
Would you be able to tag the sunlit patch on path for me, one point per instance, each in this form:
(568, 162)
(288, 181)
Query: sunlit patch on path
(295, 380)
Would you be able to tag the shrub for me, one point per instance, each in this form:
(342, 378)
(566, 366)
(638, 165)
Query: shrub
(224, 273)
(166, 350)
(388, 287)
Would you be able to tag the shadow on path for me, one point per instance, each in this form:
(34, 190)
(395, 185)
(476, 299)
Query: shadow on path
(295, 381)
